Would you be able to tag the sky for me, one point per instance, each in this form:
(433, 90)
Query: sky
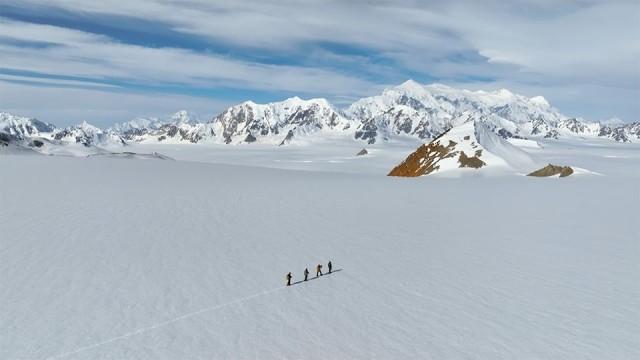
(66, 61)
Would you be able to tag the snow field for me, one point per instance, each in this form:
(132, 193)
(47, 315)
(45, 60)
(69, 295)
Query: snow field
(95, 249)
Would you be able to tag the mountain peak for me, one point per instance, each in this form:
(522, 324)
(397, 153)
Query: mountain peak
(410, 86)
(504, 93)
(540, 100)
(85, 126)
(181, 117)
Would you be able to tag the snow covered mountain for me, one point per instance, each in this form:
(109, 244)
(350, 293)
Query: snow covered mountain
(409, 110)
(87, 134)
(621, 133)
(470, 147)
(19, 127)
(422, 111)
(279, 122)
(27, 134)
(180, 127)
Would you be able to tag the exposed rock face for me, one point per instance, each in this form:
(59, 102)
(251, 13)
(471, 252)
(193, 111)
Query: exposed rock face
(552, 170)
(287, 138)
(5, 139)
(552, 134)
(471, 162)
(362, 152)
(37, 143)
(624, 133)
(573, 125)
(425, 160)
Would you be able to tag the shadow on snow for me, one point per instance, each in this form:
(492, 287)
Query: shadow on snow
(315, 277)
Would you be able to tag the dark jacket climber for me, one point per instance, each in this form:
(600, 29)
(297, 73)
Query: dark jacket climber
(289, 279)
(329, 266)
(306, 274)
(318, 270)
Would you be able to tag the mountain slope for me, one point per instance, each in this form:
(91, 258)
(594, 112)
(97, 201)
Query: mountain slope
(465, 149)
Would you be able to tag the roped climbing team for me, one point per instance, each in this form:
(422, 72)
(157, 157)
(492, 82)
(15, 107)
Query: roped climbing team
(306, 272)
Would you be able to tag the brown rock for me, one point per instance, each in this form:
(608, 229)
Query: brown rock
(551, 170)
(424, 160)
(471, 162)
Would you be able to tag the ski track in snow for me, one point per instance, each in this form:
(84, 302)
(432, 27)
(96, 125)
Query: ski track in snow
(164, 323)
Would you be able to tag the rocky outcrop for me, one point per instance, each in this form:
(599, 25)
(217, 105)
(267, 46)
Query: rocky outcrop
(424, 160)
(473, 162)
(552, 170)
(468, 147)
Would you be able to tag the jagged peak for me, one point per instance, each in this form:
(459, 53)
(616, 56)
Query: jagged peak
(410, 86)
(504, 93)
(295, 100)
(86, 127)
(540, 100)
(247, 103)
(180, 117)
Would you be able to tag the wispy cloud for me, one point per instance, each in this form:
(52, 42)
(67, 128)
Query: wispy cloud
(76, 53)
(340, 49)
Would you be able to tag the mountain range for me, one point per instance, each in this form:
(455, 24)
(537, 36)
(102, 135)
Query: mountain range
(410, 110)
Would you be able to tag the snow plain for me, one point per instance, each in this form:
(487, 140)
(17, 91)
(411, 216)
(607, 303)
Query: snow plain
(118, 258)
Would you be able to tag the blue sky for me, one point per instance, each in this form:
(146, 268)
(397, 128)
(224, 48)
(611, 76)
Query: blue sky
(65, 61)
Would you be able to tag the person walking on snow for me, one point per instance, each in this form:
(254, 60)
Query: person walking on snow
(329, 266)
(318, 270)
(306, 274)
(289, 278)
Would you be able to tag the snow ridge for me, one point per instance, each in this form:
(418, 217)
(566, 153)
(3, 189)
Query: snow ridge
(468, 148)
